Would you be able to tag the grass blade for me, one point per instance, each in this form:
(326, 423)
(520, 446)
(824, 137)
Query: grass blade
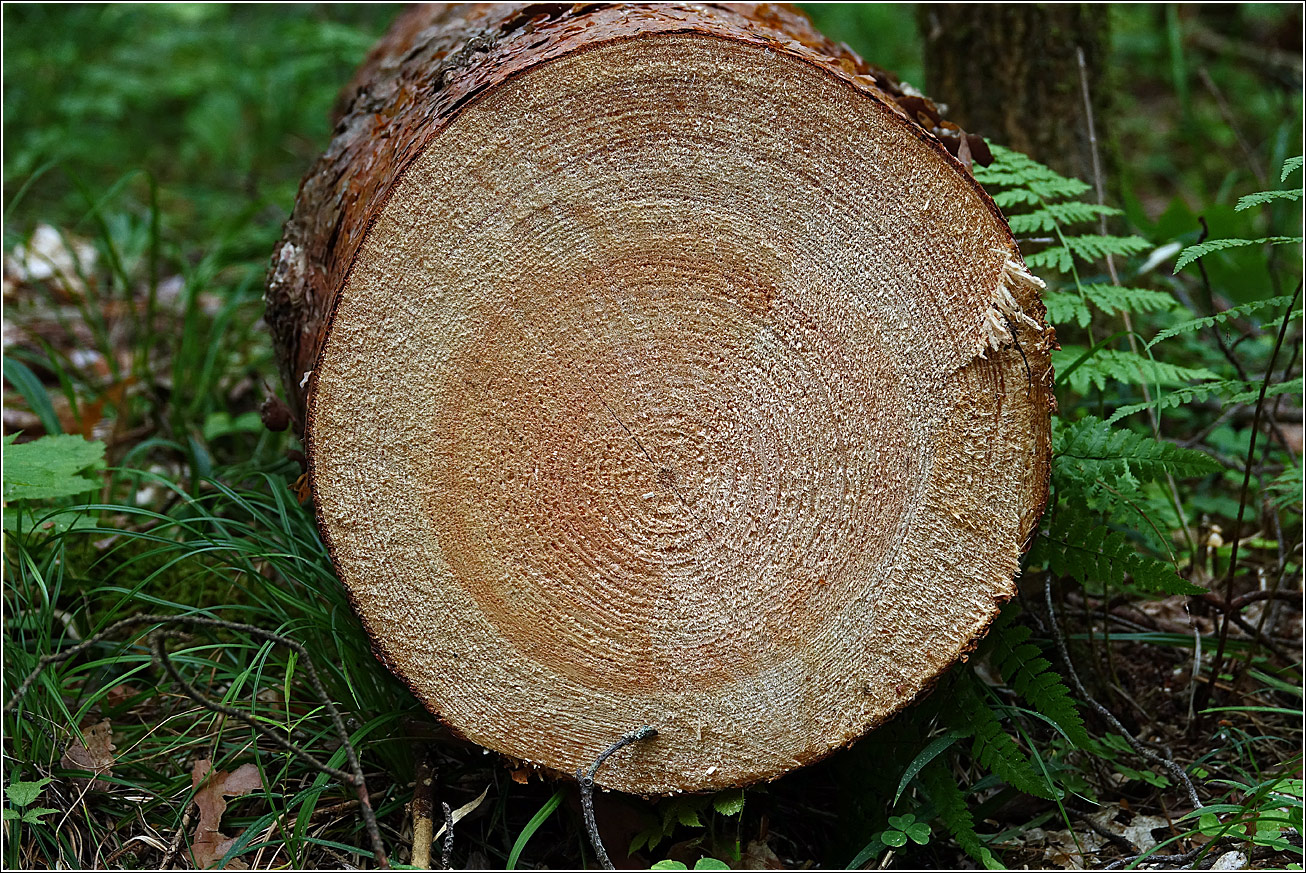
(531, 827)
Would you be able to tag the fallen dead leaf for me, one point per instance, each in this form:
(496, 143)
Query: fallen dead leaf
(51, 255)
(463, 811)
(759, 856)
(93, 752)
(1139, 831)
(120, 694)
(210, 844)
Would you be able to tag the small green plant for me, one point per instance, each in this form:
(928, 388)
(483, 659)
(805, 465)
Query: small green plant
(902, 828)
(687, 811)
(46, 469)
(21, 796)
(700, 864)
(1269, 811)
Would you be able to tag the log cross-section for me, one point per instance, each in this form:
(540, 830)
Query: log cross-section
(658, 367)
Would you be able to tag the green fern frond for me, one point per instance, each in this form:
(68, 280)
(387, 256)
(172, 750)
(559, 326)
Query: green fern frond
(1011, 167)
(950, 806)
(1219, 318)
(992, 747)
(1201, 250)
(1114, 299)
(1087, 248)
(1029, 674)
(1056, 215)
(1287, 488)
(1080, 546)
(1230, 391)
(1064, 306)
(1110, 365)
(1262, 197)
(1043, 192)
(1030, 182)
(1288, 167)
(1090, 449)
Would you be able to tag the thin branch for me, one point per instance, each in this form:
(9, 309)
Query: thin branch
(1218, 661)
(1100, 185)
(446, 848)
(586, 780)
(423, 827)
(1174, 769)
(1249, 154)
(175, 844)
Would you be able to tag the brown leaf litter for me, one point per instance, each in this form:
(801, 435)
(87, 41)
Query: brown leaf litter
(210, 844)
(94, 753)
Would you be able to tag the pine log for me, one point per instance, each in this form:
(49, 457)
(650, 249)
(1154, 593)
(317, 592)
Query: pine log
(659, 365)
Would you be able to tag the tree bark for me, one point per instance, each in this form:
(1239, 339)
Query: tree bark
(659, 365)
(1011, 73)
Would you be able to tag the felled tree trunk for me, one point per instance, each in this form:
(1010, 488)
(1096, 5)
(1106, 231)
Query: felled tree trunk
(659, 368)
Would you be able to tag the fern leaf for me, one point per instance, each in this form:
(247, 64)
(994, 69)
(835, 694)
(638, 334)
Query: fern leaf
(1218, 318)
(1109, 365)
(1057, 258)
(1090, 449)
(1093, 246)
(1011, 167)
(1087, 248)
(1064, 308)
(1288, 166)
(992, 747)
(1261, 197)
(1201, 250)
(1078, 545)
(950, 804)
(1232, 391)
(1030, 182)
(1028, 674)
(1287, 488)
(1114, 299)
(1056, 215)
(1059, 188)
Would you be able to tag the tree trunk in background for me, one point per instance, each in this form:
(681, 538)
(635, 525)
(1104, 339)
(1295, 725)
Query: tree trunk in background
(661, 366)
(1010, 72)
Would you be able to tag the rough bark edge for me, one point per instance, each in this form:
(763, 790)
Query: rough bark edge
(434, 60)
(999, 323)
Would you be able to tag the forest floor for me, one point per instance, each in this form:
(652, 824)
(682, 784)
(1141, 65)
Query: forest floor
(151, 154)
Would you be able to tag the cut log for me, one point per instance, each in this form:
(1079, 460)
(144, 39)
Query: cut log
(659, 368)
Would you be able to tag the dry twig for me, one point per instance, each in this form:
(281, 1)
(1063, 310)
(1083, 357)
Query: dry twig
(586, 780)
(1171, 767)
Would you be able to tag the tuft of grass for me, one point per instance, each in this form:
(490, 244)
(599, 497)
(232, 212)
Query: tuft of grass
(253, 549)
